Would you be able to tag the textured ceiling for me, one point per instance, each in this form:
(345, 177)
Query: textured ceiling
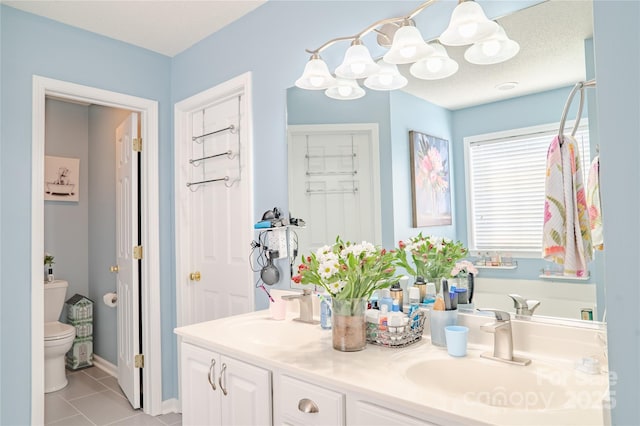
(552, 44)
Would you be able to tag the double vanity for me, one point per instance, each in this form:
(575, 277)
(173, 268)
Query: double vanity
(251, 369)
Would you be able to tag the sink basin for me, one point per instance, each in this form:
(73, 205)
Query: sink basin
(537, 386)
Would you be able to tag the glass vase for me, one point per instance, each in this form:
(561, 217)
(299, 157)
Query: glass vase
(349, 327)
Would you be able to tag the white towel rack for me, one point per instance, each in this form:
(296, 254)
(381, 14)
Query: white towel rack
(578, 86)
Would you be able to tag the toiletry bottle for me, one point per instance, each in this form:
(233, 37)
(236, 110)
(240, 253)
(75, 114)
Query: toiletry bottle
(386, 299)
(396, 294)
(430, 291)
(383, 318)
(325, 313)
(414, 303)
(372, 323)
(421, 285)
(394, 321)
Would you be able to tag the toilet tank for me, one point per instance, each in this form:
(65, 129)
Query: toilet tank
(54, 296)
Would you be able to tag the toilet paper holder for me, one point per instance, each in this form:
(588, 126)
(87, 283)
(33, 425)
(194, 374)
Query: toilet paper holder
(110, 299)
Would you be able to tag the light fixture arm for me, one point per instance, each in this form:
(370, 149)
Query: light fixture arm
(372, 27)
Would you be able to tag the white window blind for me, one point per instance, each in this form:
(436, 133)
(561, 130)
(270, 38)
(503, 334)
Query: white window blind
(505, 182)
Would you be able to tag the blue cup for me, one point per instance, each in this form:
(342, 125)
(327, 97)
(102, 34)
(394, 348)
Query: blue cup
(456, 337)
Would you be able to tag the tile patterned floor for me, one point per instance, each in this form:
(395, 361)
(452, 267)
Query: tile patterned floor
(94, 398)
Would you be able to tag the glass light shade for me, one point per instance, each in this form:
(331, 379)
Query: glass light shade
(357, 63)
(345, 89)
(408, 46)
(316, 76)
(468, 25)
(436, 66)
(493, 50)
(388, 78)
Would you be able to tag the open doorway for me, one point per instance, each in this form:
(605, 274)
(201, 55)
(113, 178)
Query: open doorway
(148, 208)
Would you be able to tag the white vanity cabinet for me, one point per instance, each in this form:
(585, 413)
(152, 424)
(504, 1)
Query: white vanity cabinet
(299, 402)
(220, 390)
(362, 412)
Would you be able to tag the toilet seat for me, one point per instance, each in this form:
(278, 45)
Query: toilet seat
(56, 330)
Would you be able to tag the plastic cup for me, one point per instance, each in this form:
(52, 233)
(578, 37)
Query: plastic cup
(438, 320)
(456, 337)
(278, 308)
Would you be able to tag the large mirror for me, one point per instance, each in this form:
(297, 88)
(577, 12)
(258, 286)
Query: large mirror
(364, 143)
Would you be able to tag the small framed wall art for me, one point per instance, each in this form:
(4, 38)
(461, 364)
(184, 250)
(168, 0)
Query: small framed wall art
(61, 178)
(430, 186)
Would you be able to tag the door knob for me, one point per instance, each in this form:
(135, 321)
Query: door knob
(114, 268)
(194, 276)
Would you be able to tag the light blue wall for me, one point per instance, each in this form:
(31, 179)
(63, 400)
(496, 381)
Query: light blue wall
(270, 42)
(66, 223)
(411, 113)
(103, 122)
(34, 45)
(616, 24)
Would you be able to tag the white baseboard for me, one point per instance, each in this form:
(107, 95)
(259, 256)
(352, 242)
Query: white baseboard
(171, 406)
(105, 365)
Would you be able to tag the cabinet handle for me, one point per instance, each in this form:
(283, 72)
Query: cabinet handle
(212, 372)
(308, 406)
(224, 367)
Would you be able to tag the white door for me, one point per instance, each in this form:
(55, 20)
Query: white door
(333, 184)
(126, 238)
(220, 215)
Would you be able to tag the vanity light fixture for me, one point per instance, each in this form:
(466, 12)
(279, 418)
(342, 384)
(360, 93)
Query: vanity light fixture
(388, 78)
(345, 89)
(406, 45)
(468, 25)
(436, 66)
(492, 50)
(316, 75)
(357, 62)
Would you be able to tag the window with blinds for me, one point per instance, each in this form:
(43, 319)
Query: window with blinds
(505, 186)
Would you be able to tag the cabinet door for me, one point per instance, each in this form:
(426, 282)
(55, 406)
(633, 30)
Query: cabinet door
(365, 413)
(200, 402)
(248, 393)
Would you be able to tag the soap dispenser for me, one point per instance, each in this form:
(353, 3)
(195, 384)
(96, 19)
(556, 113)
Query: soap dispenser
(386, 300)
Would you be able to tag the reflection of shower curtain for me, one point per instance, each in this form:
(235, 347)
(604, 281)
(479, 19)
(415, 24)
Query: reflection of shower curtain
(566, 230)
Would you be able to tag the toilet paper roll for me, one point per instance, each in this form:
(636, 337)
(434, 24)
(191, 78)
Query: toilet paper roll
(110, 299)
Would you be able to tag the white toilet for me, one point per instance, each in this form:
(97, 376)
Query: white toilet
(58, 337)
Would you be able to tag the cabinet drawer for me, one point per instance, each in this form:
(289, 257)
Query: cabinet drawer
(293, 397)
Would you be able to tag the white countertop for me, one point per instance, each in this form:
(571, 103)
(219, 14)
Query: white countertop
(306, 351)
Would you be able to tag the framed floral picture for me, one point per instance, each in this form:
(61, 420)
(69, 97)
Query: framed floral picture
(430, 188)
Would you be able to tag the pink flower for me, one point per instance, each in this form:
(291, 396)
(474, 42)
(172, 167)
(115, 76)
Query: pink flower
(593, 214)
(296, 279)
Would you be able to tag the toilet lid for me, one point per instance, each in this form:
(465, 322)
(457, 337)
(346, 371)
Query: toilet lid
(55, 330)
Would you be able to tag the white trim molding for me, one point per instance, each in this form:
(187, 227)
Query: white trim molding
(151, 324)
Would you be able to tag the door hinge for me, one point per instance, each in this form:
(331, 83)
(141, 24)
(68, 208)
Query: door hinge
(139, 361)
(137, 144)
(137, 252)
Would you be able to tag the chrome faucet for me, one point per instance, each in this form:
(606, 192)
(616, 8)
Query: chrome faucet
(503, 340)
(306, 306)
(524, 306)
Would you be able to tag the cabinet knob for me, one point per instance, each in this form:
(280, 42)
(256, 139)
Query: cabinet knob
(308, 406)
(114, 268)
(194, 276)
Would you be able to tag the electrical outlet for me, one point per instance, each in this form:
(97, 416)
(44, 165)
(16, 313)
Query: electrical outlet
(277, 240)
